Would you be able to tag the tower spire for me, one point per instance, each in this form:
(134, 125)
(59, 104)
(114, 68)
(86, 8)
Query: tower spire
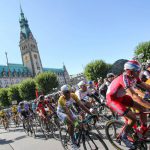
(25, 30)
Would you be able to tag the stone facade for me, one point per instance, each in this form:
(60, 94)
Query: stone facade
(75, 79)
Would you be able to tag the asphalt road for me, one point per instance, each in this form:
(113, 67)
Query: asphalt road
(17, 139)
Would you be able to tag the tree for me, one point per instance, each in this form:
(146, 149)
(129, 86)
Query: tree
(4, 97)
(96, 69)
(27, 89)
(46, 82)
(145, 49)
(13, 93)
(118, 66)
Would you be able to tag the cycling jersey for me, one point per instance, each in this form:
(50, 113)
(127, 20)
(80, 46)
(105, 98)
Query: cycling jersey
(62, 102)
(82, 95)
(148, 81)
(120, 84)
(116, 96)
(2, 113)
(14, 109)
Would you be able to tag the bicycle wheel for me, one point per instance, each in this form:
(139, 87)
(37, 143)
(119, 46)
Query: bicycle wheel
(65, 138)
(55, 130)
(113, 130)
(91, 141)
(26, 127)
(32, 128)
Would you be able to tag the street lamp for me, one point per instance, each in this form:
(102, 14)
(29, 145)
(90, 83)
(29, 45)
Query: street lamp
(8, 67)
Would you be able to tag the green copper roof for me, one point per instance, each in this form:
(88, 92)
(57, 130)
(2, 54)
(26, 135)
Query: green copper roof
(18, 69)
(25, 30)
(53, 70)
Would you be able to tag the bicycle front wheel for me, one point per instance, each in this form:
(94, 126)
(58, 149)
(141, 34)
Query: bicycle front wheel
(93, 141)
(113, 129)
(65, 138)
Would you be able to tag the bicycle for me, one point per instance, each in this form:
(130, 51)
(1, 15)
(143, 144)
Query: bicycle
(114, 129)
(83, 135)
(29, 125)
(5, 122)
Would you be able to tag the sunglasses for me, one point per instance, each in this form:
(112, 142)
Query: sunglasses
(66, 92)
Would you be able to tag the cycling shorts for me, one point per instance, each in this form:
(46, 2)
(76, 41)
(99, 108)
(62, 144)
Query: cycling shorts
(120, 105)
(62, 116)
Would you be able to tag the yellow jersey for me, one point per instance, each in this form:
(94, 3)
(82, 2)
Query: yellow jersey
(14, 109)
(148, 81)
(62, 102)
(2, 113)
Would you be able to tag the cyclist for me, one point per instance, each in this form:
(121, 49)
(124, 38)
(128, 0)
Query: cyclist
(4, 118)
(41, 104)
(83, 94)
(23, 110)
(91, 88)
(103, 88)
(121, 94)
(2, 113)
(14, 113)
(65, 113)
(14, 109)
(145, 74)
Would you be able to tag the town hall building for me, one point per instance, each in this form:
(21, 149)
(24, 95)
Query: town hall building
(32, 63)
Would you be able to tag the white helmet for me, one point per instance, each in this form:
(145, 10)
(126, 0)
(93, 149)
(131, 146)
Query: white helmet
(81, 83)
(65, 88)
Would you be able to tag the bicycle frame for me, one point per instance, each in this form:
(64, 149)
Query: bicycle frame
(135, 127)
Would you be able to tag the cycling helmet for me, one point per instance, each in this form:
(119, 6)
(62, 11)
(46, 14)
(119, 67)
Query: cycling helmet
(65, 88)
(109, 75)
(41, 97)
(90, 82)
(81, 83)
(21, 103)
(132, 65)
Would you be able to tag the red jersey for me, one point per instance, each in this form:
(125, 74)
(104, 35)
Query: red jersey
(118, 86)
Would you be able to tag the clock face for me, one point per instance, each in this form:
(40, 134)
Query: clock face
(26, 58)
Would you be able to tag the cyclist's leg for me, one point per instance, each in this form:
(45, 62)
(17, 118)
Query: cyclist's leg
(143, 117)
(119, 106)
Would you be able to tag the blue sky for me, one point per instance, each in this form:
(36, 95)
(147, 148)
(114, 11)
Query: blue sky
(76, 31)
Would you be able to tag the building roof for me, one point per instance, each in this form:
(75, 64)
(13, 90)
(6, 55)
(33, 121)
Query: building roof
(22, 70)
(17, 68)
(55, 70)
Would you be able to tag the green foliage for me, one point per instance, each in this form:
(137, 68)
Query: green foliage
(4, 97)
(46, 82)
(27, 89)
(145, 49)
(96, 69)
(13, 93)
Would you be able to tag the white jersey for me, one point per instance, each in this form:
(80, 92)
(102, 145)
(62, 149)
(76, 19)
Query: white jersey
(82, 95)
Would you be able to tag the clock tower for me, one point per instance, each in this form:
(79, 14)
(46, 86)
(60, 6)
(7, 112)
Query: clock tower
(28, 47)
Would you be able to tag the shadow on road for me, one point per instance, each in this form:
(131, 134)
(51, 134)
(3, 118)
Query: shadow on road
(20, 137)
(4, 141)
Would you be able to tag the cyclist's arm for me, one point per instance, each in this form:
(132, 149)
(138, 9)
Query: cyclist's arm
(84, 107)
(68, 113)
(137, 99)
(145, 86)
(139, 92)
